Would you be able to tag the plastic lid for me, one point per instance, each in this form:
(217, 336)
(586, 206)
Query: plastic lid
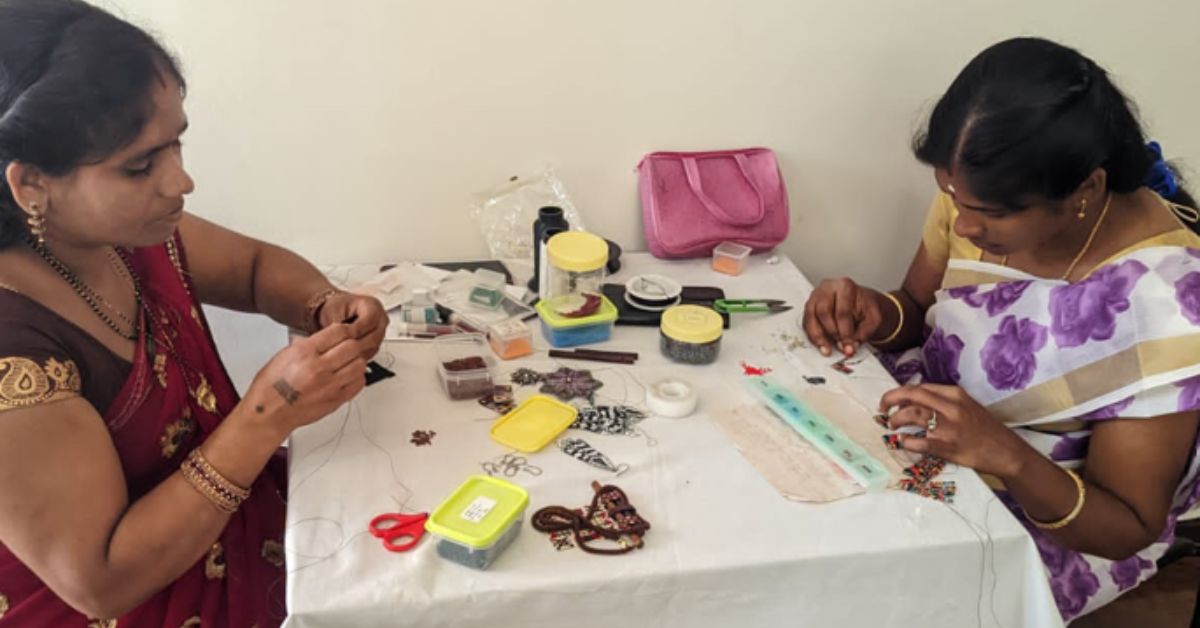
(490, 278)
(692, 323)
(653, 288)
(478, 511)
(533, 424)
(733, 249)
(508, 330)
(577, 251)
(606, 314)
(420, 297)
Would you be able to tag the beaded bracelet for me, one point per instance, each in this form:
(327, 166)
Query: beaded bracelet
(312, 309)
(209, 482)
(899, 325)
(1062, 523)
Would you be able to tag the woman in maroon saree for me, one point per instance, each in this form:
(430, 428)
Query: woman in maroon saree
(139, 490)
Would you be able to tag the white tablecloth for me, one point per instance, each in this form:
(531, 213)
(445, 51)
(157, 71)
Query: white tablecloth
(725, 548)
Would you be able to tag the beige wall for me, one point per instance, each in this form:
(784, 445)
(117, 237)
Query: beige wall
(358, 130)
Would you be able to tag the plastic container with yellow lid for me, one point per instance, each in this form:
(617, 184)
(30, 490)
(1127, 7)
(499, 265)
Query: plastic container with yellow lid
(691, 334)
(577, 264)
(478, 521)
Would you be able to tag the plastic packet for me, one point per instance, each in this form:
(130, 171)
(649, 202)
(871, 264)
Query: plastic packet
(505, 214)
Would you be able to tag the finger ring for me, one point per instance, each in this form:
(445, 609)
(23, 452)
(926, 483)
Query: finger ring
(931, 424)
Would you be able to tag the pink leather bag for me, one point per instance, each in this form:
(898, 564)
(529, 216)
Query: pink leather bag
(692, 202)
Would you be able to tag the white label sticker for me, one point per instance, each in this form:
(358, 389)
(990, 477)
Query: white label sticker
(478, 509)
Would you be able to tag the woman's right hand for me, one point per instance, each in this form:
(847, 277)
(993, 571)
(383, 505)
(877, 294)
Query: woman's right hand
(309, 379)
(840, 313)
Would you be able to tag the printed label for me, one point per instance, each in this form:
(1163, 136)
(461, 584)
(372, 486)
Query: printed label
(478, 509)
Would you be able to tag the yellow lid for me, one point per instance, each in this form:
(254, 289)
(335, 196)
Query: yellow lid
(533, 424)
(692, 323)
(478, 511)
(577, 251)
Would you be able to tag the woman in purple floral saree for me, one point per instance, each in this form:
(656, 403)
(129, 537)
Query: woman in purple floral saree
(1048, 331)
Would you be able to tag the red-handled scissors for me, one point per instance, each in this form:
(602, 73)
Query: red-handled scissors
(394, 527)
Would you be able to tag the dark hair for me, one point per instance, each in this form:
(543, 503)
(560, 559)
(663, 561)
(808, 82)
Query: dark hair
(75, 85)
(1031, 118)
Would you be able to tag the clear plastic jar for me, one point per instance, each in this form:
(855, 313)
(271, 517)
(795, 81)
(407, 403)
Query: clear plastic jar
(577, 264)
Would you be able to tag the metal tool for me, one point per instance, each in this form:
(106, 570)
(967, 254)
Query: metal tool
(740, 306)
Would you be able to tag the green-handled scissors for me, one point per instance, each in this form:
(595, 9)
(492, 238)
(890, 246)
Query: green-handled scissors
(740, 306)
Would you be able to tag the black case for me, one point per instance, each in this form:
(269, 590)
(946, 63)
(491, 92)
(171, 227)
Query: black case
(629, 315)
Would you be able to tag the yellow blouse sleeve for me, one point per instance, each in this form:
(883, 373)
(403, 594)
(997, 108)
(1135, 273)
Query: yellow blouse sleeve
(938, 223)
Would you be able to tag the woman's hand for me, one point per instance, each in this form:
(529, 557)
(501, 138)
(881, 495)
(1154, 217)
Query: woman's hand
(366, 317)
(842, 313)
(309, 379)
(963, 431)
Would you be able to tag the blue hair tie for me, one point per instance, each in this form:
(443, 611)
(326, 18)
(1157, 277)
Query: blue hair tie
(1161, 178)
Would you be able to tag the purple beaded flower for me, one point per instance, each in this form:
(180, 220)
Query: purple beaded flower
(568, 384)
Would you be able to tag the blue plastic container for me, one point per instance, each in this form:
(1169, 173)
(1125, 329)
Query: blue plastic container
(561, 331)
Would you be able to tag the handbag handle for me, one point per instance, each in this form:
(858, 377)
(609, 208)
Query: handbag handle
(692, 169)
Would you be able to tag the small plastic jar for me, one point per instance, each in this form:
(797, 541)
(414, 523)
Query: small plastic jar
(577, 264)
(489, 289)
(691, 334)
(464, 365)
(479, 520)
(420, 308)
(511, 339)
(730, 258)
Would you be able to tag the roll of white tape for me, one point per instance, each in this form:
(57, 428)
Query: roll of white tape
(672, 399)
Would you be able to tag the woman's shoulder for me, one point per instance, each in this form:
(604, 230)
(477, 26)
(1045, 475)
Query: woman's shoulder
(44, 357)
(36, 366)
(1158, 223)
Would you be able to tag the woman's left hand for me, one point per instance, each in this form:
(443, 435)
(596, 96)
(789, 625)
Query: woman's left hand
(367, 319)
(961, 431)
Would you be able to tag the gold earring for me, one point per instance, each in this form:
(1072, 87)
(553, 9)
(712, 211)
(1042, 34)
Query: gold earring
(1082, 209)
(37, 225)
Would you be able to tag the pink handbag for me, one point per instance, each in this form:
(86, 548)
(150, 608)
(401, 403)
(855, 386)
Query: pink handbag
(692, 202)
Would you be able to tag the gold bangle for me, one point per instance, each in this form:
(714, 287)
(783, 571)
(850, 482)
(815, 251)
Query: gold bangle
(202, 486)
(1062, 523)
(209, 482)
(899, 325)
(197, 458)
(312, 309)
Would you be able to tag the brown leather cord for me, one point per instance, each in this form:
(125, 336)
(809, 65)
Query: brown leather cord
(613, 500)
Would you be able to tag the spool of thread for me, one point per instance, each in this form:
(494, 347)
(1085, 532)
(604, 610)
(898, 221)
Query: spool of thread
(672, 398)
(652, 293)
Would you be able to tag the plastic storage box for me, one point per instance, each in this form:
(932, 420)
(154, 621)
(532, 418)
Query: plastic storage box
(511, 339)
(730, 258)
(478, 521)
(561, 331)
(464, 365)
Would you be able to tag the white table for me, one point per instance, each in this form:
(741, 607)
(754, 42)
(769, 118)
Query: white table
(725, 548)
